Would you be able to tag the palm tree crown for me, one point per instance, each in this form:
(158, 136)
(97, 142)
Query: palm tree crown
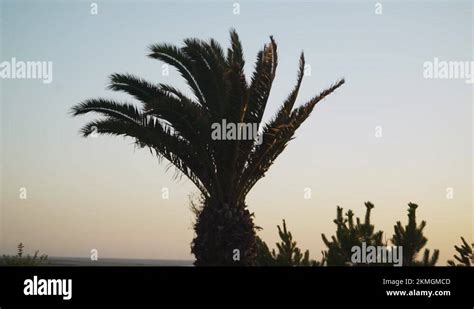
(178, 128)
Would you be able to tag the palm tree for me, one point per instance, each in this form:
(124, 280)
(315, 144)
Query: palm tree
(177, 127)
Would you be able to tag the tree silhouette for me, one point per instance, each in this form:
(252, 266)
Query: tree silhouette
(348, 235)
(264, 255)
(288, 253)
(412, 240)
(465, 257)
(178, 128)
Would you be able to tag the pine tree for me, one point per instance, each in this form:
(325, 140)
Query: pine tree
(412, 240)
(348, 235)
(288, 253)
(466, 256)
(264, 255)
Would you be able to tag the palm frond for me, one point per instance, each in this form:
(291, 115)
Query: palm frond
(209, 74)
(154, 135)
(174, 56)
(137, 87)
(235, 54)
(276, 136)
(117, 110)
(252, 105)
(287, 106)
(261, 83)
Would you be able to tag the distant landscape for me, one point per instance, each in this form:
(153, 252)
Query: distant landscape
(85, 261)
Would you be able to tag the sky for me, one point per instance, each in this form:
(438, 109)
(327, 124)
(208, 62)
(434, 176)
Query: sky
(101, 193)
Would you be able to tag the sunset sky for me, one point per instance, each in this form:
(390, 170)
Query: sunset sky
(102, 193)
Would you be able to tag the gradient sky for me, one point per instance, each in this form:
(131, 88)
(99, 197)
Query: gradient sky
(101, 193)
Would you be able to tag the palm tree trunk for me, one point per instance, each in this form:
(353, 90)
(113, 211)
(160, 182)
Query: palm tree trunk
(225, 235)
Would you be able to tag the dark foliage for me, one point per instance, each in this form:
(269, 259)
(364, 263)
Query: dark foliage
(412, 240)
(348, 235)
(465, 257)
(287, 254)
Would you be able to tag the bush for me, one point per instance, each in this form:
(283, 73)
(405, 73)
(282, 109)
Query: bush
(21, 260)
